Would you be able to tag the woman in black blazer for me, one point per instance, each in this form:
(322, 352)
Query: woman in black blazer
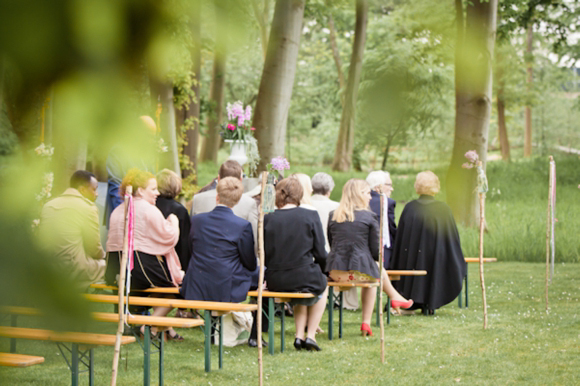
(295, 258)
(353, 235)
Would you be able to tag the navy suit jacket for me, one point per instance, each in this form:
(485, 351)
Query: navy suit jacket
(375, 205)
(223, 258)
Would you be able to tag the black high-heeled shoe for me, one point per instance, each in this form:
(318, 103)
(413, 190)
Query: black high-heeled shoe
(298, 344)
(311, 345)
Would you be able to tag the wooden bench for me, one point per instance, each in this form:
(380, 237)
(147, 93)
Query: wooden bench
(340, 287)
(19, 360)
(75, 339)
(471, 260)
(274, 300)
(218, 309)
(148, 321)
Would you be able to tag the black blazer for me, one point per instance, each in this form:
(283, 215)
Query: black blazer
(295, 251)
(169, 206)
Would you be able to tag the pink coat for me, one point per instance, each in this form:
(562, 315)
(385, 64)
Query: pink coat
(152, 234)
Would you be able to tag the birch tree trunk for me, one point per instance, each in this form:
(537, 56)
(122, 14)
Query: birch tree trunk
(271, 112)
(473, 83)
(529, 80)
(262, 15)
(336, 56)
(345, 144)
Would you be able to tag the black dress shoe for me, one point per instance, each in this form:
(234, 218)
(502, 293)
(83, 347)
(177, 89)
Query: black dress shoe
(254, 343)
(298, 344)
(311, 345)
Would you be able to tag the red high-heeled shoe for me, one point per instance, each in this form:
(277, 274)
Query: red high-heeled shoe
(401, 304)
(366, 330)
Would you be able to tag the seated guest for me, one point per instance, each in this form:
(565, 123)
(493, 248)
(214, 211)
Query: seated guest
(155, 262)
(427, 239)
(353, 233)
(169, 185)
(305, 201)
(295, 257)
(381, 183)
(69, 230)
(322, 186)
(246, 208)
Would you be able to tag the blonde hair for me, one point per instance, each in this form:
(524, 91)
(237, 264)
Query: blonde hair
(168, 183)
(306, 187)
(229, 190)
(135, 178)
(427, 183)
(352, 199)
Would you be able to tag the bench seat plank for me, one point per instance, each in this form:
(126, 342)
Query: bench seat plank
(19, 360)
(66, 337)
(174, 303)
(285, 295)
(476, 259)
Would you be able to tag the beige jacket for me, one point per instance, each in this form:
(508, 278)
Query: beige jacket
(69, 230)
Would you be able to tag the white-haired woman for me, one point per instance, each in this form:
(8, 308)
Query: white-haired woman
(353, 233)
(427, 239)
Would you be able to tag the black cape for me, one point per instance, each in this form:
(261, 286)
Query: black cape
(427, 239)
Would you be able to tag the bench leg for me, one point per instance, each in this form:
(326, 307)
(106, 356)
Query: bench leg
(13, 320)
(341, 303)
(282, 327)
(207, 343)
(330, 311)
(74, 365)
(91, 367)
(466, 289)
(221, 342)
(161, 345)
(271, 313)
(147, 356)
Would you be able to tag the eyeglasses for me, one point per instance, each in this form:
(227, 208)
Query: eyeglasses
(389, 185)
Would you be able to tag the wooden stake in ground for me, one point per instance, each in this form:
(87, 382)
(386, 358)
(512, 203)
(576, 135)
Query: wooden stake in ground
(121, 287)
(482, 189)
(550, 227)
(381, 259)
(261, 277)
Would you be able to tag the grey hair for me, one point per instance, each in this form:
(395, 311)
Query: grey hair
(378, 177)
(322, 183)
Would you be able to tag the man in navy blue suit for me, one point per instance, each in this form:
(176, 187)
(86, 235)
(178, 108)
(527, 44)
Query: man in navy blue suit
(223, 259)
(381, 182)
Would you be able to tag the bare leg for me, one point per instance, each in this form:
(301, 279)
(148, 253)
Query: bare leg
(315, 314)
(390, 290)
(300, 316)
(161, 311)
(368, 296)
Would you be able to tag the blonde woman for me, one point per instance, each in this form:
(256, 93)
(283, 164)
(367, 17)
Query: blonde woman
(306, 183)
(353, 234)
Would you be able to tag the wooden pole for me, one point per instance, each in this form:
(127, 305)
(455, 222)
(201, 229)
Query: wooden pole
(548, 227)
(121, 289)
(261, 277)
(381, 259)
(481, 278)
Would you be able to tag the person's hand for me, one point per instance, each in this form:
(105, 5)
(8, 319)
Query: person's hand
(173, 220)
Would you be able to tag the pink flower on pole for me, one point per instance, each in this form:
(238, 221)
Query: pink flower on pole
(252, 128)
(472, 156)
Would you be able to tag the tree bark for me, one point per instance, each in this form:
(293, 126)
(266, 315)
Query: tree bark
(262, 16)
(529, 80)
(504, 142)
(473, 83)
(271, 112)
(162, 91)
(344, 145)
(336, 56)
(190, 114)
(211, 143)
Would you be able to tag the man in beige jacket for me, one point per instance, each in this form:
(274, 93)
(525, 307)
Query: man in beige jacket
(69, 230)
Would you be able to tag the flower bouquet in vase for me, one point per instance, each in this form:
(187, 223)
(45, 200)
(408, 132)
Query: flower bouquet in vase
(237, 130)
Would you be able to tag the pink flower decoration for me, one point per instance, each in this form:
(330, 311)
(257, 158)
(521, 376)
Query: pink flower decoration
(231, 127)
(467, 165)
(471, 156)
(252, 128)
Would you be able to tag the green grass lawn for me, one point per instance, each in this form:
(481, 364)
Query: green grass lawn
(523, 344)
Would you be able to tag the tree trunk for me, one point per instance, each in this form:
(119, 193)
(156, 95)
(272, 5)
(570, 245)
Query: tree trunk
(189, 114)
(262, 16)
(473, 83)
(211, 143)
(386, 154)
(163, 92)
(529, 80)
(271, 112)
(504, 143)
(344, 145)
(336, 56)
